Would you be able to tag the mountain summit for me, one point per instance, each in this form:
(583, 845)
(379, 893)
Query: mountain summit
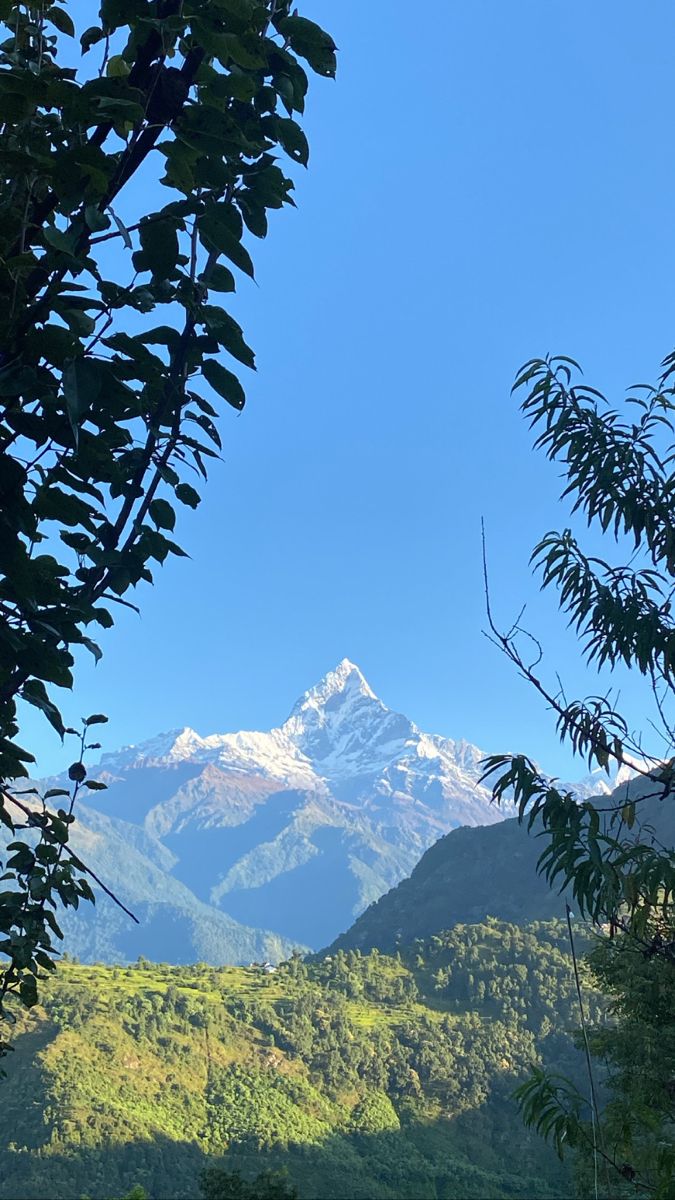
(344, 729)
(298, 828)
(240, 840)
(339, 735)
(346, 683)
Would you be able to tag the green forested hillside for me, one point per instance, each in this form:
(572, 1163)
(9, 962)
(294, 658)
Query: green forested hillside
(473, 872)
(464, 876)
(364, 1076)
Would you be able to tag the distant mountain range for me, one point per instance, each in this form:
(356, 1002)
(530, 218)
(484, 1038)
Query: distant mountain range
(239, 846)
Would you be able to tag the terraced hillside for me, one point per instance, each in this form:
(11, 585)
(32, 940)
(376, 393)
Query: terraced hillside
(364, 1076)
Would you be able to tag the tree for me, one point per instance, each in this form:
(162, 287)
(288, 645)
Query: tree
(113, 339)
(639, 1050)
(217, 1184)
(618, 475)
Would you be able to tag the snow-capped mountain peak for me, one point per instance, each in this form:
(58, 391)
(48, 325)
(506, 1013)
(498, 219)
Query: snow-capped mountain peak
(339, 734)
(344, 685)
(342, 726)
(346, 789)
(174, 746)
(299, 827)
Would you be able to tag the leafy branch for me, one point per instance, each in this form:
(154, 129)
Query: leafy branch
(618, 475)
(104, 426)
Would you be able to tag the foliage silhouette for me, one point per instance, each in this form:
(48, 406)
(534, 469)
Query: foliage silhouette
(111, 375)
(618, 476)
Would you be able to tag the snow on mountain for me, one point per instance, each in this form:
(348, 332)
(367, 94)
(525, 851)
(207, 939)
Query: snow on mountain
(298, 828)
(342, 726)
(338, 734)
(597, 783)
(294, 830)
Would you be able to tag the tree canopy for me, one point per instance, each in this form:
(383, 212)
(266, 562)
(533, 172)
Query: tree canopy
(359, 1075)
(617, 470)
(118, 349)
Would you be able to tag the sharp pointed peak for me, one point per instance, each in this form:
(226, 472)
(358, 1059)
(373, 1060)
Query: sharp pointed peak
(344, 679)
(348, 670)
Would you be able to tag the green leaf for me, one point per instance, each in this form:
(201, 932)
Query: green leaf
(628, 814)
(286, 91)
(310, 42)
(162, 514)
(254, 215)
(44, 960)
(96, 719)
(119, 579)
(237, 84)
(16, 379)
(218, 231)
(119, 12)
(28, 991)
(102, 617)
(35, 693)
(65, 243)
(93, 649)
(292, 138)
(188, 495)
(82, 382)
(52, 504)
(86, 892)
(228, 333)
(162, 335)
(242, 12)
(153, 544)
(224, 383)
(117, 67)
(159, 248)
(94, 785)
(122, 229)
(220, 279)
(243, 50)
(61, 21)
(90, 37)
(96, 220)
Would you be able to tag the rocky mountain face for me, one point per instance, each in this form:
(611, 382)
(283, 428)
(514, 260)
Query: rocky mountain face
(240, 846)
(294, 831)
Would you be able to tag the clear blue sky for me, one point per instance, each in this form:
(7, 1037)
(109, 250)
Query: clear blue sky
(488, 181)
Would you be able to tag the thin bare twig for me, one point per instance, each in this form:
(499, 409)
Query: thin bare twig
(28, 813)
(506, 645)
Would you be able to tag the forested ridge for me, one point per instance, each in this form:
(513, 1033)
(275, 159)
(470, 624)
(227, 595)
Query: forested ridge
(361, 1075)
(473, 872)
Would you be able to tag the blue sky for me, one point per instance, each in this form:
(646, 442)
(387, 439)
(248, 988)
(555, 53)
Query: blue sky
(488, 182)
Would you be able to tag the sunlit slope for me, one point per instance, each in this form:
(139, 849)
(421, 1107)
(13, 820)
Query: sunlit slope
(366, 1076)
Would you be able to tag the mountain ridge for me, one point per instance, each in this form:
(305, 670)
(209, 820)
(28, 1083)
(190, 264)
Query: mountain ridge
(335, 804)
(291, 832)
(474, 874)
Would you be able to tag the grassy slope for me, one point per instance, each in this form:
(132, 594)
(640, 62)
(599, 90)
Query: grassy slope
(368, 1077)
